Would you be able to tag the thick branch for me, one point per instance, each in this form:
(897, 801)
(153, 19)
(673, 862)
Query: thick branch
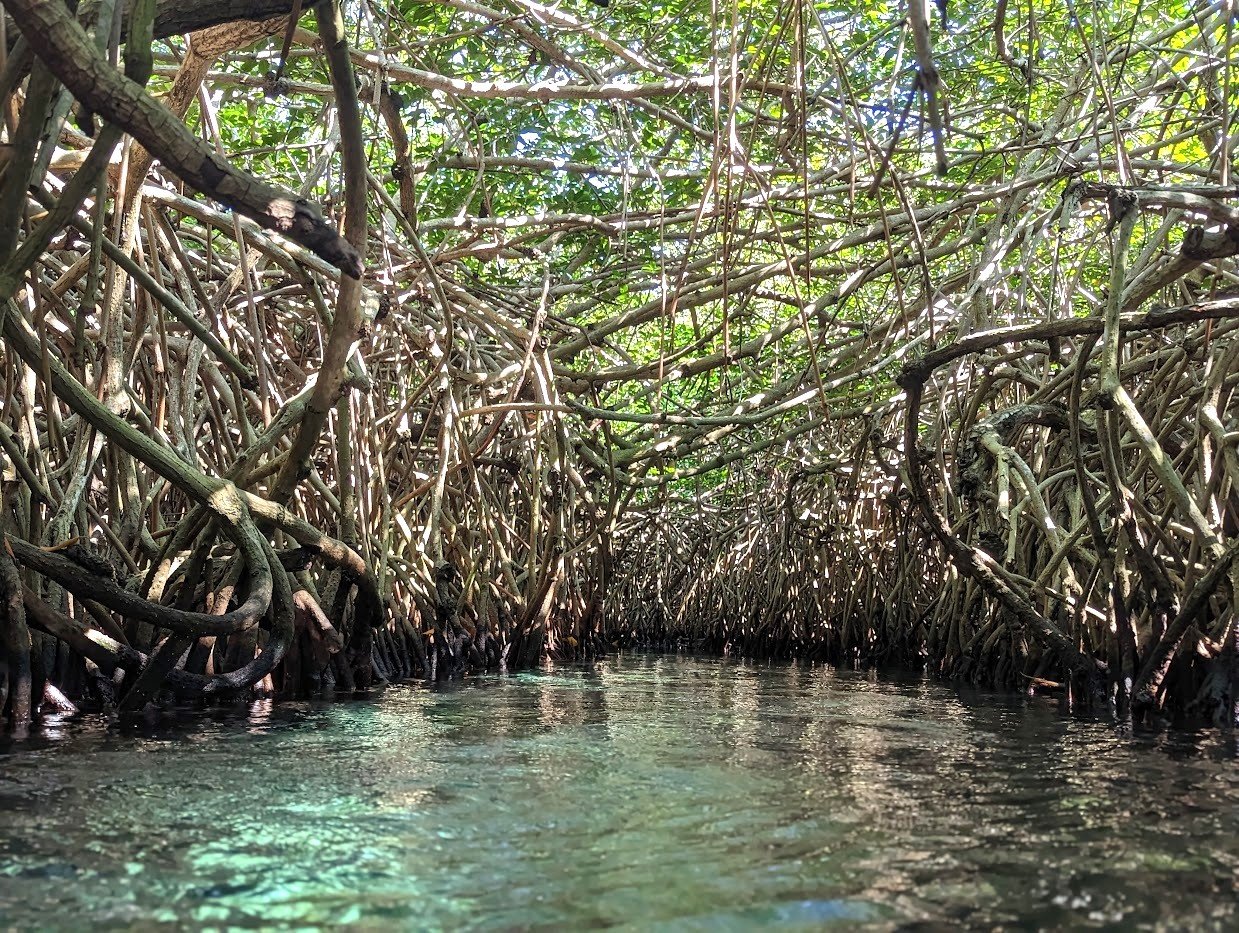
(347, 323)
(68, 52)
(174, 17)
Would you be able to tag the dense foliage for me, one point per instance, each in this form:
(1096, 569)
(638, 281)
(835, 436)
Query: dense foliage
(870, 331)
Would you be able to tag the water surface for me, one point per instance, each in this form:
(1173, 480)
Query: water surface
(649, 792)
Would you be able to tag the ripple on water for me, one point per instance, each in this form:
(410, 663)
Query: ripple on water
(662, 793)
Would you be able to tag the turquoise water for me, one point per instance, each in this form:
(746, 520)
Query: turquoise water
(648, 792)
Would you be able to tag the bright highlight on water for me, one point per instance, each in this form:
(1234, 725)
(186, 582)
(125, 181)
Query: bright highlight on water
(645, 792)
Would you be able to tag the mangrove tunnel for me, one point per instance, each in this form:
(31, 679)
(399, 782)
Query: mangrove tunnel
(370, 342)
(375, 342)
(626, 410)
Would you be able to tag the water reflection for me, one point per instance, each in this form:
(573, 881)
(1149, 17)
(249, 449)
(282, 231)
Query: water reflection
(655, 792)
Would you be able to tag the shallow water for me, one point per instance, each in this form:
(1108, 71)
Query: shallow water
(654, 792)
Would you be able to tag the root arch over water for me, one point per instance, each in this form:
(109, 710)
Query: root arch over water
(433, 376)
